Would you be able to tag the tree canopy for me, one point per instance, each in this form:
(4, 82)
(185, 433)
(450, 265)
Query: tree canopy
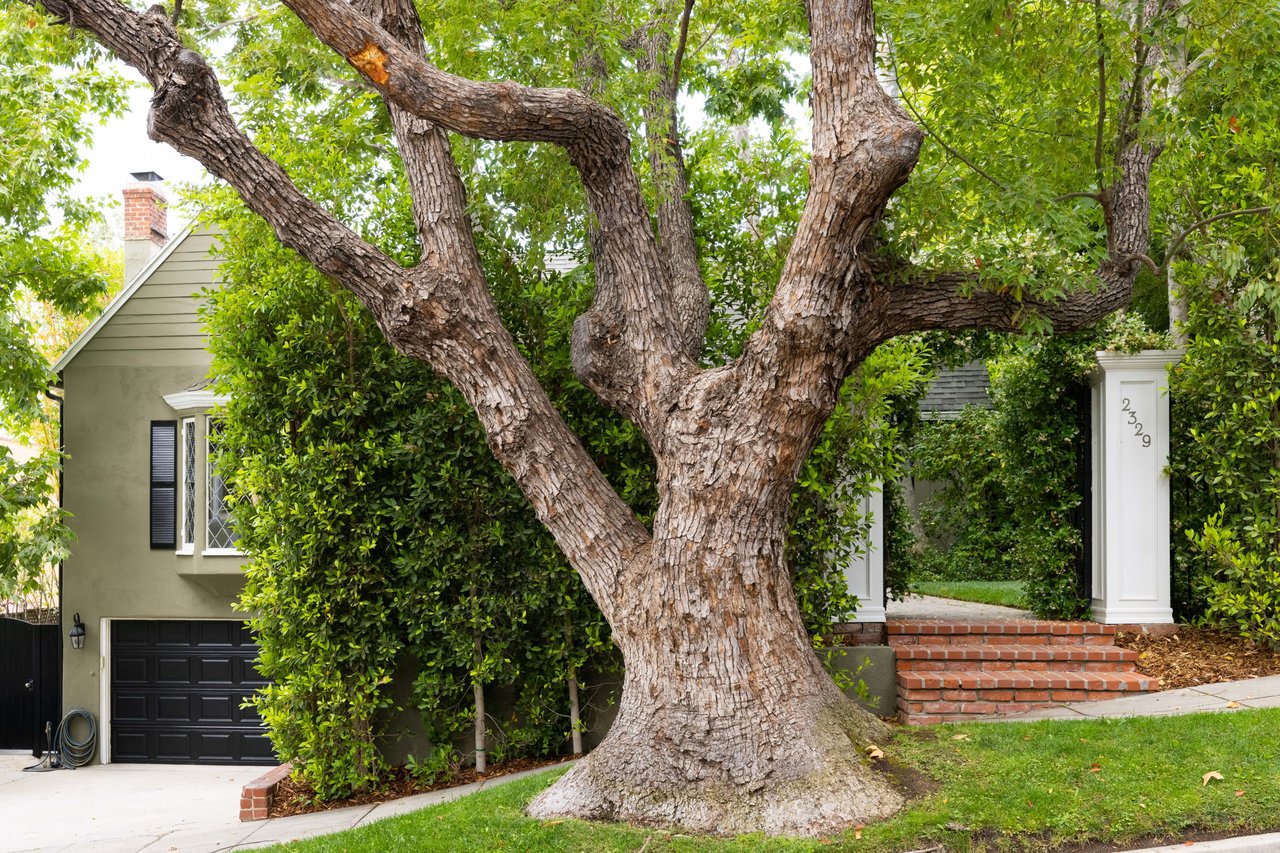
(52, 268)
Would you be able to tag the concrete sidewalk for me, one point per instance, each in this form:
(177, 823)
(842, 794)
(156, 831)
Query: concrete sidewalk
(1226, 696)
(1268, 843)
(129, 808)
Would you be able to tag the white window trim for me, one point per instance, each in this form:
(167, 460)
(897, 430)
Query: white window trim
(208, 490)
(186, 548)
(201, 400)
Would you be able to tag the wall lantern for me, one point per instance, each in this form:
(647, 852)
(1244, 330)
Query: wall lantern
(77, 633)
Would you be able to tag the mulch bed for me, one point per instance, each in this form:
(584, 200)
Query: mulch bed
(296, 797)
(1195, 656)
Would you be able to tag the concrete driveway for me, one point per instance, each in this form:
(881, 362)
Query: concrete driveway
(161, 808)
(121, 807)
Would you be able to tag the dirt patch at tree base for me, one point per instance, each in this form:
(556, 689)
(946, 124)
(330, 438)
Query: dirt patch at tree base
(1195, 656)
(295, 797)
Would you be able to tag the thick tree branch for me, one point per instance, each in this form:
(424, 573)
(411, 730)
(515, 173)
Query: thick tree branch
(628, 346)
(920, 301)
(666, 160)
(435, 186)
(430, 312)
(864, 147)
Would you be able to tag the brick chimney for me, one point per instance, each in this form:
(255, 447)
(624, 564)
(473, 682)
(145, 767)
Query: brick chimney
(145, 222)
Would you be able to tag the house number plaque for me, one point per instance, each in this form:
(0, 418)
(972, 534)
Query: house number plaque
(1126, 407)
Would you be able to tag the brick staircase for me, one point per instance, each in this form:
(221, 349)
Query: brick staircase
(954, 671)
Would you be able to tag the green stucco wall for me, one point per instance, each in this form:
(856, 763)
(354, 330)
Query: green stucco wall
(112, 390)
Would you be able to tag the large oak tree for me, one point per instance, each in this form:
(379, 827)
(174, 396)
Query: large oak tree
(727, 721)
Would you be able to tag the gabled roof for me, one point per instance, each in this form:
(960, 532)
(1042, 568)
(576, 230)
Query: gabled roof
(121, 298)
(952, 390)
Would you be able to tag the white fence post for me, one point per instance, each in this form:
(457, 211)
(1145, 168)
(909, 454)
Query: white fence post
(1130, 487)
(864, 573)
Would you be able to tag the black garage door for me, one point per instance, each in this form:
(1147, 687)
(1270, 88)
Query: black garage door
(177, 690)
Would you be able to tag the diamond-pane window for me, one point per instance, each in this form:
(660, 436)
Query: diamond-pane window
(221, 535)
(188, 483)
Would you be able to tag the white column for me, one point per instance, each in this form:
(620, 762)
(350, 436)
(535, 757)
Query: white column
(1130, 487)
(864, 573)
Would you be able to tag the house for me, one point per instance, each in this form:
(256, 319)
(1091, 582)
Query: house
(153, 577)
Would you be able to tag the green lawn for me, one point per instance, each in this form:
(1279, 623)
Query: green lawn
(1004, 786)
(1008, 593)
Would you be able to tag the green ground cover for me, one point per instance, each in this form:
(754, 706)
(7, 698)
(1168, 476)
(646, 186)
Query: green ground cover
(1003, 786)
(1007, 593)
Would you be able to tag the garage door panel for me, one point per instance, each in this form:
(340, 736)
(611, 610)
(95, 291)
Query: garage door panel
(177, 692)
(129, 669)
(130, 633)
(214, 671)
(171, 634)
(173, 709)
(173, 670)
(246, 674)
(129, 706)
(219, 708)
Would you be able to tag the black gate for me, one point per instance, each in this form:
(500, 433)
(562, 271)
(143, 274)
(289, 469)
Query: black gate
(30, 683)
(1082, 516)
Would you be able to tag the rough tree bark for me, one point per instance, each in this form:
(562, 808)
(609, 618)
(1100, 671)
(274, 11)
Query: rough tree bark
(727, 722)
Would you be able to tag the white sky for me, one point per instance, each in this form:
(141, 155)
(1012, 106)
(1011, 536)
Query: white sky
(122, 146)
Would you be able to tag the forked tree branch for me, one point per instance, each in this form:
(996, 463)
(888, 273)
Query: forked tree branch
(864, 147)
(430, 312)
(628, 346)
(677, 244)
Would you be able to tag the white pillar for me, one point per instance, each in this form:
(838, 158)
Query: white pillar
(1130, 487)
(864, 573)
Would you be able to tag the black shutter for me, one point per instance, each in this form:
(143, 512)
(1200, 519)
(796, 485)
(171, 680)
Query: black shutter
(164, 484)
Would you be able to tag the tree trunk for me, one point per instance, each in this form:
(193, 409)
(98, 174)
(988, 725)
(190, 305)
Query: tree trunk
(575, 710)
(477, 687)
(575, 717)
(728, 722)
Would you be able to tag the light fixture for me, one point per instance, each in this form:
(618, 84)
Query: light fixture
(77, 633)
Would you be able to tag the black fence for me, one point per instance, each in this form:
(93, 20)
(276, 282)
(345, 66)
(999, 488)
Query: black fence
(30, 683)
(1081, 517)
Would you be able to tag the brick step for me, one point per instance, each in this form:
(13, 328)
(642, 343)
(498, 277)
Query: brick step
(975, 656)
(1025, 633)
(935, 697)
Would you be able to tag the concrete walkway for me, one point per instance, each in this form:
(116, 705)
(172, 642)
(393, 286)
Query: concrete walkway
(930, 607)
(129, 808)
